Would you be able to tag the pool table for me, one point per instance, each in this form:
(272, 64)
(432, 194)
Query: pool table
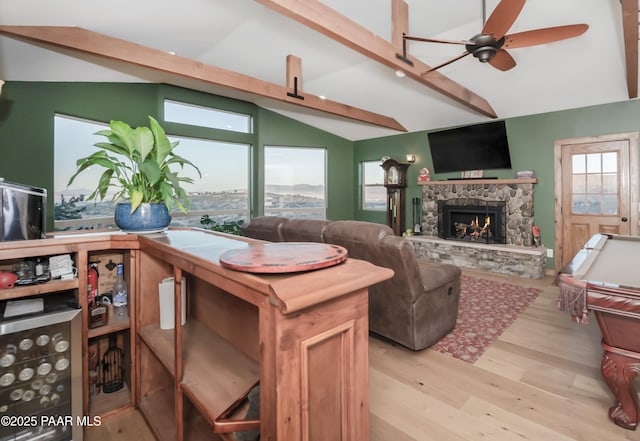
(604, 277)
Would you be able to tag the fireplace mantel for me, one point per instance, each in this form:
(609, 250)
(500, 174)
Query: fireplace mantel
(481, 181)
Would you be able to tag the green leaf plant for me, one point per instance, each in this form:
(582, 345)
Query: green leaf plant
(141, 171)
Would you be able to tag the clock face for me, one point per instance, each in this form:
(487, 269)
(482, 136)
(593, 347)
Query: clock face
(392, 176)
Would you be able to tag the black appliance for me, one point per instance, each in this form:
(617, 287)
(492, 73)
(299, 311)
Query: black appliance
(23, 214)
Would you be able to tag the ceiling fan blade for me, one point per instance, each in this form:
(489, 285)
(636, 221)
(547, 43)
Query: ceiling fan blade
(502, 61)
(630, 31)
(502, 17)
(464, 54)
(436, 40)
(542, 36)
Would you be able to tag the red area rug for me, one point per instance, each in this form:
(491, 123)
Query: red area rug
(486, 309)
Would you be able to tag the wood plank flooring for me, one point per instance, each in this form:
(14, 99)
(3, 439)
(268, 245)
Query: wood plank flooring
(540, 381)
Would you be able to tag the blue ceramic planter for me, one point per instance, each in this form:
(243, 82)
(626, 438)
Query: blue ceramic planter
(146, 218)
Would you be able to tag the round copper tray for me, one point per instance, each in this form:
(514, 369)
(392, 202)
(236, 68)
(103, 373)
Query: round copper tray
(283, 257)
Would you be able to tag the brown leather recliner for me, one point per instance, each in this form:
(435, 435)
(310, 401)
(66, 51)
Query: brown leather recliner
(416, 308)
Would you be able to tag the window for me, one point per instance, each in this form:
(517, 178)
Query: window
(374, 195)
(73, 139)
(221, 193)
(295, 182)
(595, 183)
(206, 117)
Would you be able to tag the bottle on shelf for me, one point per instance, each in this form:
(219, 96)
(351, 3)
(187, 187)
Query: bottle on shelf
(120, 295)
(97, 311)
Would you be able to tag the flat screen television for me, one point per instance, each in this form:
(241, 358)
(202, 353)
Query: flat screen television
(476, 147)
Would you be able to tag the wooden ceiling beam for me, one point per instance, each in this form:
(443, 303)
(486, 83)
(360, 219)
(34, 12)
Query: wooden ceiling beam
(321, 18)
(85, 41)
(630, 31)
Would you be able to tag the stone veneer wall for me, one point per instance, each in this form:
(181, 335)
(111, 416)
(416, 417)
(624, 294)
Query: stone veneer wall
(529, 262)
(518, 197)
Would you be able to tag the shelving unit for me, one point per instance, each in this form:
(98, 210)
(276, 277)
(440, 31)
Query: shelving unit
(103, 403)
(290, 332)
(50, 287)
(82, 249)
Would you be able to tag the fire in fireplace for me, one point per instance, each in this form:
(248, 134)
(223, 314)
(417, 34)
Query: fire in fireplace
(472, 220)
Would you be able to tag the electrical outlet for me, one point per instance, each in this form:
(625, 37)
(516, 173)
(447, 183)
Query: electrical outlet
(549, 252)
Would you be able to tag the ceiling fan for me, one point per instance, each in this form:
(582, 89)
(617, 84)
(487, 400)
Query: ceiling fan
(489, 45)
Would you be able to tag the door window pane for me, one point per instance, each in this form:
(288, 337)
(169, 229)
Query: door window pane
(579, 206)
(610, 183)
(295, 182)
(610, 204)
(596, 191)
(578, 163)
(579, 183)
(594, 183)
(610, 162)
(594, 164)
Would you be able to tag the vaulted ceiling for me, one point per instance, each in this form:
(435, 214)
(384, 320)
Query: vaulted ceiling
(252, 49)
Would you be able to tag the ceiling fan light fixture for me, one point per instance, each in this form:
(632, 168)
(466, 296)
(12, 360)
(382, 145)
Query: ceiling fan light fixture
(485, 53)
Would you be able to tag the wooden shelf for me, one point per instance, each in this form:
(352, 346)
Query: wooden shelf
(114, 325)
(105, 403)
(481, 181)
(49, 287)
(158, 410)
(161, 343)
(205, 353)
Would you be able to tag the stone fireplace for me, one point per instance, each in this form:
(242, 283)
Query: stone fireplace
(472, 220)
(498, 212)
(515, 194)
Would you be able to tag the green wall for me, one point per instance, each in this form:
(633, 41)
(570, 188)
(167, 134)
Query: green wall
(531, 141)
(26, 139)
(27, 131)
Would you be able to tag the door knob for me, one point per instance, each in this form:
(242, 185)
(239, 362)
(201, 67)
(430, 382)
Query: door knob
(624, 219)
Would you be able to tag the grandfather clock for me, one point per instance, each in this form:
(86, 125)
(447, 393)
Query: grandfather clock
(395, 180)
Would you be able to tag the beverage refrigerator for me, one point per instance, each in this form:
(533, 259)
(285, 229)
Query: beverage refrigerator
(41, 375)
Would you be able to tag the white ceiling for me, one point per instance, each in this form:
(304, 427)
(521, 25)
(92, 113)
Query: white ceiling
(248, 38)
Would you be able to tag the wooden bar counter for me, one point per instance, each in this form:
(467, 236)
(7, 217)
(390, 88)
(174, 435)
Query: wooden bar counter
(301, 336)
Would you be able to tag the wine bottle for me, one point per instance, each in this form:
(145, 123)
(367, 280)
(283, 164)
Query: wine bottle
(120, 295)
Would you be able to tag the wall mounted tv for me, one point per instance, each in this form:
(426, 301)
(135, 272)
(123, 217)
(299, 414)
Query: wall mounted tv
(477, 147)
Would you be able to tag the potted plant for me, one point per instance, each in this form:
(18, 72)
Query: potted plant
(140, 170)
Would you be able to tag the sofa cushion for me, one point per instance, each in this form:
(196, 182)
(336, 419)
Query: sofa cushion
(304, 230)
(264, 228)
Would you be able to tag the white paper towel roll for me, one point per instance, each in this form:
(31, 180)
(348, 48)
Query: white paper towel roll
(165, 291)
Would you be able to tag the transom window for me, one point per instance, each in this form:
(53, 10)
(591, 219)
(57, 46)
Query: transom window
(374, 195)
(206, 117)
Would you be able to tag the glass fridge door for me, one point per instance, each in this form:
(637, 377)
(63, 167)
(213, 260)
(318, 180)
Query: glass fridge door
(41, 377)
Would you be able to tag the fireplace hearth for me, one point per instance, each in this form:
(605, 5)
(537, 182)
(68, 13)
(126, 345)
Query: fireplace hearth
(473, 220)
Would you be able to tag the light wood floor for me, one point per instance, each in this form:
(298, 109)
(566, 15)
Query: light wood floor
(540, 381)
